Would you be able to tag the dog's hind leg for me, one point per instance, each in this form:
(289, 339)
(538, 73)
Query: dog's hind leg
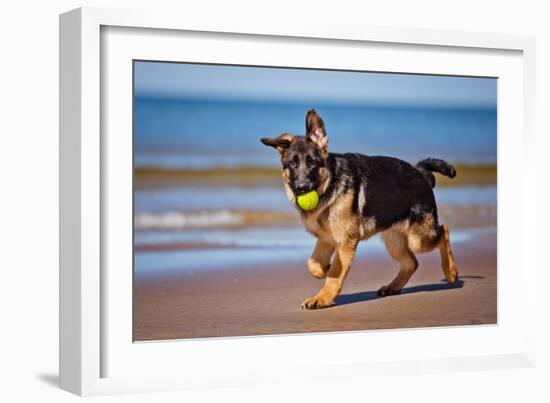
(397, 247)
(425, 236)
(448, 264)
(319, 262)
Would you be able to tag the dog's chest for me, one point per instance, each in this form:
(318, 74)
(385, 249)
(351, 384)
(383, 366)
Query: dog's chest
(317, 223)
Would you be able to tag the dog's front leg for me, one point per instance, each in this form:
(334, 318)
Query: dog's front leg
(335, 277)
(319, 262)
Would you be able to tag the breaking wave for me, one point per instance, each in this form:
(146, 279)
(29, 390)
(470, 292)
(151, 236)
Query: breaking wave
(174, 220)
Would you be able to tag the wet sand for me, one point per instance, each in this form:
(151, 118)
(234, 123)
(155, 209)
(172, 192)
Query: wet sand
(267, 300)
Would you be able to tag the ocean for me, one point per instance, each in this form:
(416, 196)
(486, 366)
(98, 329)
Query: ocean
(195, 225)
(201, 134)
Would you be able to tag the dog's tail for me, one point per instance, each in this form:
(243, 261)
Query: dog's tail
(430, 165)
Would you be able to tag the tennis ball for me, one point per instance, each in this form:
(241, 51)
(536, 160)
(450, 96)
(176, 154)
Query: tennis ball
(308, 201)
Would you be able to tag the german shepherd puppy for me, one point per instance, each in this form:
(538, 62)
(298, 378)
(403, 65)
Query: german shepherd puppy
(360, 196)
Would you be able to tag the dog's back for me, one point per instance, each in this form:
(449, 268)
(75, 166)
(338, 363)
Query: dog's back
(385, 189)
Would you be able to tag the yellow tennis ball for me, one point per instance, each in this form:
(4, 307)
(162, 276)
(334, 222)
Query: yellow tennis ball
(308, 201)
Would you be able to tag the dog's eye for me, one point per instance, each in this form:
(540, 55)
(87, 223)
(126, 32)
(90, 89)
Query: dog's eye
(309, 162)
(293, 164)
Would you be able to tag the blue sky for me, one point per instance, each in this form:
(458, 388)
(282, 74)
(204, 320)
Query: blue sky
(180, 80)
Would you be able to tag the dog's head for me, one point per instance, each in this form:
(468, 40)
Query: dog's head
(304, 158)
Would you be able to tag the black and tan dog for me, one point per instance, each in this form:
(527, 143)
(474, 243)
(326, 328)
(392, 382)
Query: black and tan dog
(360, 196)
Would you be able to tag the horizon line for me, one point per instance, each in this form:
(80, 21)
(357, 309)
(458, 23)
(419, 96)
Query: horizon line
(172, 97)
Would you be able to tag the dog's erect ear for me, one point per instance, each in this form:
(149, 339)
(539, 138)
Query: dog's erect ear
(281, 143)
(316, 132)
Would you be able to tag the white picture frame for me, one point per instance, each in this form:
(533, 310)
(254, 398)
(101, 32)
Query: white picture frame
(90, 342)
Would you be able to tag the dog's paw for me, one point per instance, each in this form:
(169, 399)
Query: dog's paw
(386, 291)
(316, 302)
(315, 268)
(452, 274)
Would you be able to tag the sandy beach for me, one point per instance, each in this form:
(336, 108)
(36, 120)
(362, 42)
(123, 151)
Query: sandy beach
(267, 300)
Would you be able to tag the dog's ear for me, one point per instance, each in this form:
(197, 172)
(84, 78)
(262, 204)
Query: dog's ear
(281, 143)
(316, 132)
